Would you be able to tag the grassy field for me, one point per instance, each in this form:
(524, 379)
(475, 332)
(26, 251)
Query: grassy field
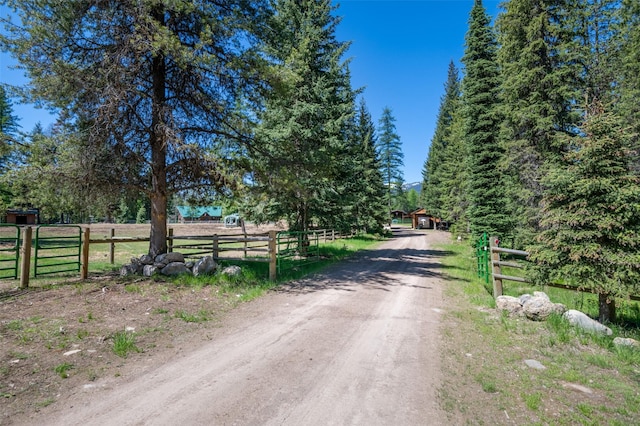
(53, 239)
(585, 379)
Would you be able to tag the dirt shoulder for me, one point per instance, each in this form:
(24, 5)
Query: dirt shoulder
(357, 344)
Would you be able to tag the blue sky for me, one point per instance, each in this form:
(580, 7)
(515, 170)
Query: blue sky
(399, 54)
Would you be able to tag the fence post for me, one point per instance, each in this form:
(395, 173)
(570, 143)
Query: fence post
(216, 251)
(273, 256)
(25, 253)
(84, 271)
(244, 234)
(495, 267)
(112, 249)
(170, 240)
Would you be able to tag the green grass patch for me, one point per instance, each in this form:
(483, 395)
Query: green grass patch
(497, 345)
(533, 401)
(63, 369)
(200, 316)
(124, 343)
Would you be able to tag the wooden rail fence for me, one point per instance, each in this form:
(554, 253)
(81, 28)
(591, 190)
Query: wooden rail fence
(236, 247)
(498, 276)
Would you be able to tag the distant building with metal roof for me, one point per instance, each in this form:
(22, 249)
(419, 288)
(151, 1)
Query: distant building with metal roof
(199, 214)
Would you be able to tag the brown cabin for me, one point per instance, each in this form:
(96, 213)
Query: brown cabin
(420, 219)
(22, 217)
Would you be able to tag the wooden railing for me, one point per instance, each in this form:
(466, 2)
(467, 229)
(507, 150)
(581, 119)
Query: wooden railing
(498, 276)
(233, 247)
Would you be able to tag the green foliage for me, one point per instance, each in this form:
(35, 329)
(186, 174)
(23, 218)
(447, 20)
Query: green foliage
(63, 370)
(540, 81)
(591, 222)
(570, 355)
(154, 107)
(302, 167)
(481, 83)
(444, 153)
(389, 149)
(8, 131)
(367, 183)
(200, 316)
(124, 342)
(141, 216)
(629, 70)
(123, 212)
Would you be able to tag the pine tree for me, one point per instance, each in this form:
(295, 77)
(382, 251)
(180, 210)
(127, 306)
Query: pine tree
(629, 72)
(8, 124)
(591, 215)
(369, 206)
(8, 129)
(540, 82)
(156, 84)
(391, 156)
(297, 165)
(455, 176)
(481, 83)
(435, 190)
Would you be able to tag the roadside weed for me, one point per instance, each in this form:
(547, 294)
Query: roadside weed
(63, 370)
(201, 316)
(123, 343)
(533, 400)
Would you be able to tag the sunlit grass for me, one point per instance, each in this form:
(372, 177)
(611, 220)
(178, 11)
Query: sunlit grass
(569, 354)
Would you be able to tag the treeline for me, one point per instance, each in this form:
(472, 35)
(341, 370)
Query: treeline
(246, 104)
(538, 142)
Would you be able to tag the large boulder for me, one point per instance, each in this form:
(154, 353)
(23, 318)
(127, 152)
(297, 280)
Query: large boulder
(127, 270)
(232, 271)
(168, 258)
(175, 268)
(539, 307)
(626, 341)
(581, 320)
(204, 266)
(149, 270)
(510, 304)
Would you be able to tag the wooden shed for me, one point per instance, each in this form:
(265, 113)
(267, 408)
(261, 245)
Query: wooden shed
(420, 219)
(22, 217)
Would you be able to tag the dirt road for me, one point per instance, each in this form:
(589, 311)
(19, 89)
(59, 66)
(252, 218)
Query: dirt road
(357, 345)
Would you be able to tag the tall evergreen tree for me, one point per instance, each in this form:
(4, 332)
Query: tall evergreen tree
(540, 83)
(155, 82)
(304, 125)
(8, 129)
(435, 190)
(391, 156)
(8, 123)
(480, 87)
(591, 222)
(369, 206)
(596, 29)
(629, 73)
(455, 175)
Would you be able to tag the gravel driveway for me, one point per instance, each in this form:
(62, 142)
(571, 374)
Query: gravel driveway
(356, 345)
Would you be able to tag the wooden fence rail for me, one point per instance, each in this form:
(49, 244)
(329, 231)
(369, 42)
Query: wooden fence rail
(498, 276)
(255, 248)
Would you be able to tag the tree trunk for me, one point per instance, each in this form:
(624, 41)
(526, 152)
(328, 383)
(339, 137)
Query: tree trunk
(607, 308)
(158, 142)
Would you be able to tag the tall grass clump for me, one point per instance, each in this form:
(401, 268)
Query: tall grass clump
(124, 343)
